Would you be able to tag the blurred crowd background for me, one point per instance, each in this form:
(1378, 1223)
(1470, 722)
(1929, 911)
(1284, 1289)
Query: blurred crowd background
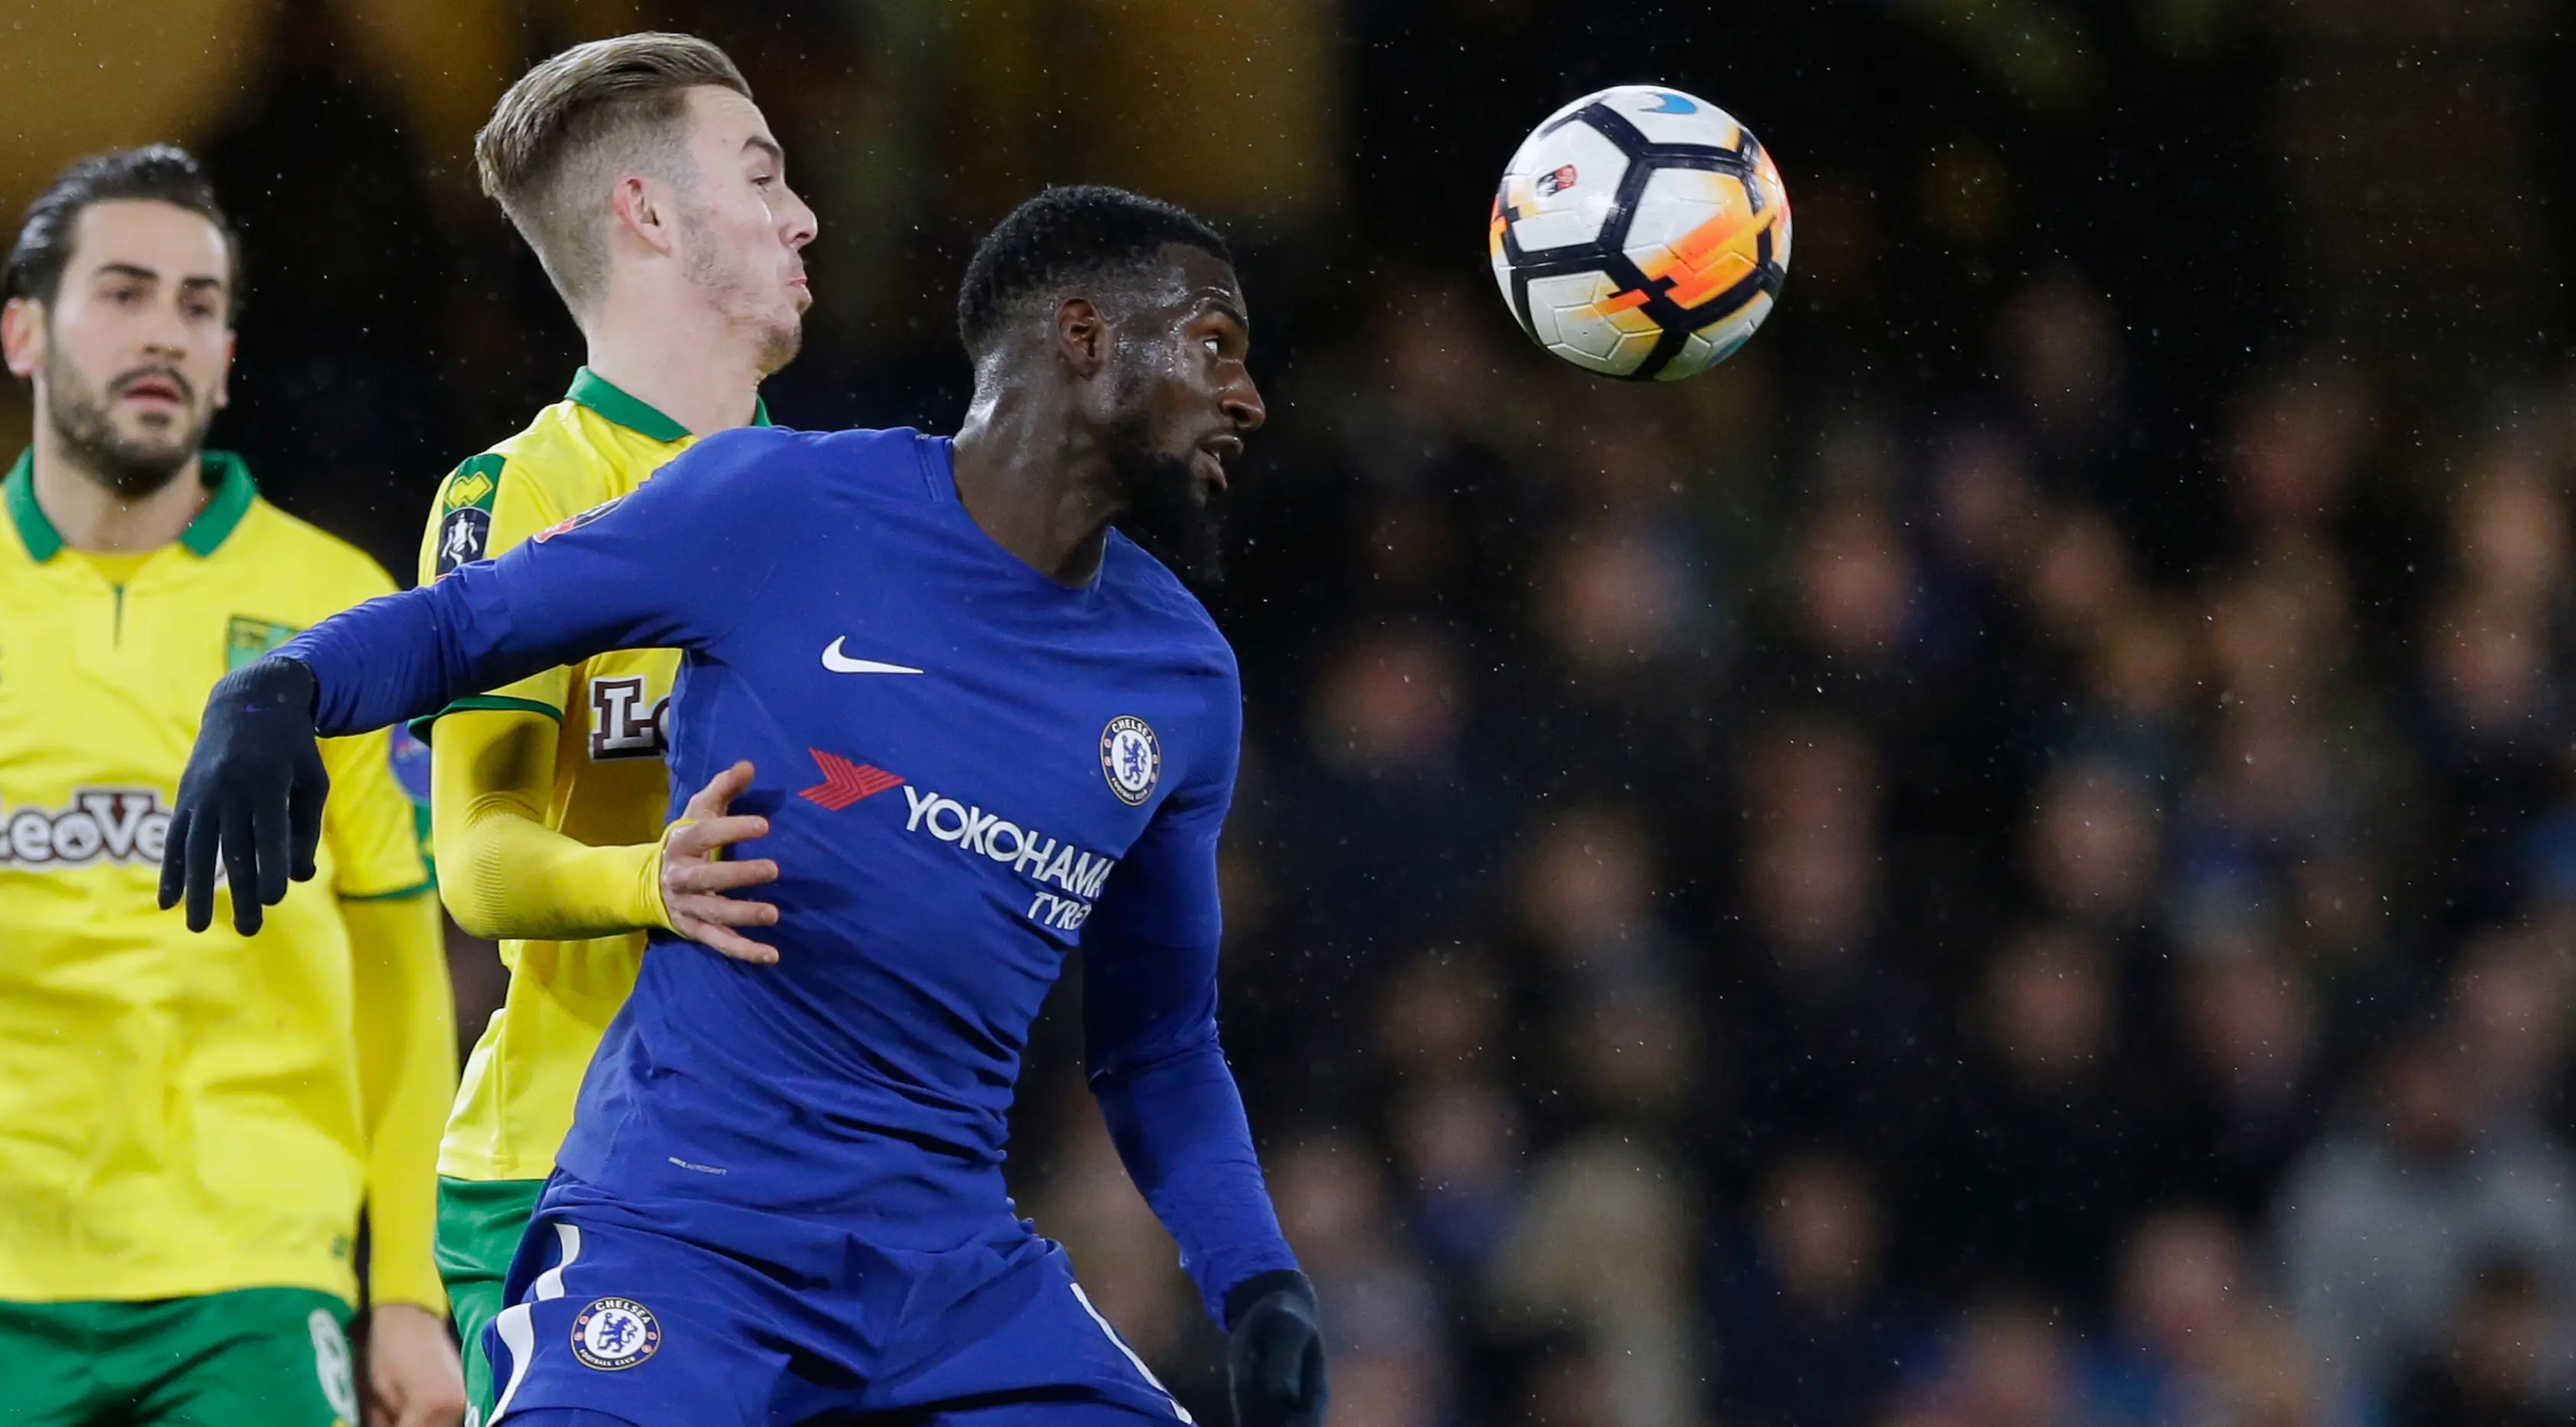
(2007, 859)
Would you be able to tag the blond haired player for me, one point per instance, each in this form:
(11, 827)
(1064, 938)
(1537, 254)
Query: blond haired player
(653, 192)
(188, 1130)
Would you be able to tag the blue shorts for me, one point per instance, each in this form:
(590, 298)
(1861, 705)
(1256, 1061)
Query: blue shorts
(723, 1317)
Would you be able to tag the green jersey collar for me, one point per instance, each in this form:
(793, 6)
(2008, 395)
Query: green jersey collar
(633, 412)
(18, 493)
(223, 472)
(234, 490)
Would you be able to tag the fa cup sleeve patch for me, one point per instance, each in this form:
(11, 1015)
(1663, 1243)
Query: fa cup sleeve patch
(465, 512)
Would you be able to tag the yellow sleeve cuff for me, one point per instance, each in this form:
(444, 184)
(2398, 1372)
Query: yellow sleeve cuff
(651, 910)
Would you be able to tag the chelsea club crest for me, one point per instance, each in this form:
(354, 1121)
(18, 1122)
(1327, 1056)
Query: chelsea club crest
(1131, 758)
(615, 1333)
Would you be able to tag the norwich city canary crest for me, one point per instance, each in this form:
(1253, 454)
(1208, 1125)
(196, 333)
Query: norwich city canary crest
(247, 638)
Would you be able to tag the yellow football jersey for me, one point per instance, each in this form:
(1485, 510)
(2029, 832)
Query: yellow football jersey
(179, 1113)
(610, 788)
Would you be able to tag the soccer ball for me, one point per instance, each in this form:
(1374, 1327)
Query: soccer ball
(1640, 233)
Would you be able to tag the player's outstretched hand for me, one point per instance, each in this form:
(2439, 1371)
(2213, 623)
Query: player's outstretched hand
(1274, 1358)
(698, 879)
(252, 795)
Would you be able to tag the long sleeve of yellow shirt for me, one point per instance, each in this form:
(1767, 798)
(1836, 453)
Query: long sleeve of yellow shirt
(406, 1020)
(501, 870)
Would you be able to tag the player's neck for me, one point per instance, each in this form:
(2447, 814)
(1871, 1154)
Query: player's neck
(1037, 483)
(706, 380)
(89, 514)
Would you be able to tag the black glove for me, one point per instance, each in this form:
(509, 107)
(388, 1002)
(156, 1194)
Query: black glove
(1275, 1356)
(254, 788)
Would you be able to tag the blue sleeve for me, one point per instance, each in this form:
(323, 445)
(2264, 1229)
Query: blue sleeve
(1149, 1030)
(670, 566)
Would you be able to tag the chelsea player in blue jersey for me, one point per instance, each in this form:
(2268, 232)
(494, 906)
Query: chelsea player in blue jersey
(986, 727)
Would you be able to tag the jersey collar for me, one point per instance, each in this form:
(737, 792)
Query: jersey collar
(633, 412)
(222, 471)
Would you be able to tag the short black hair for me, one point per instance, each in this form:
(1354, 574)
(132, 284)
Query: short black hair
(1063, 234)
(163, 173)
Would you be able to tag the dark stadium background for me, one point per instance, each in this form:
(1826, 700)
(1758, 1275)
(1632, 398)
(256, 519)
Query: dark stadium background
(2007, 858)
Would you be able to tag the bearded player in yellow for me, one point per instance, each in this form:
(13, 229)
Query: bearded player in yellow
(188, 1131)
(654, 194)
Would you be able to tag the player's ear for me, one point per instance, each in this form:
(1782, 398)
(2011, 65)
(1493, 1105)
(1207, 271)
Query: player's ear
(643, 208)
(1081, 336)
(22, 335)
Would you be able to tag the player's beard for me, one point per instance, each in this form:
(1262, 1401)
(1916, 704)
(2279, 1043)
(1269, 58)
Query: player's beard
(1164, 512)
(739, 294)
(132, 467)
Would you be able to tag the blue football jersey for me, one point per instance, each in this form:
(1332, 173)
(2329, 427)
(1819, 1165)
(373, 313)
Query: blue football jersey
(969, 769)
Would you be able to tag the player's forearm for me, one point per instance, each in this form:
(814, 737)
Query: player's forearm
(503, 872)
(1180, 1129)
(408, 655)
(506, 874)
(406, 1031)
(671, 568)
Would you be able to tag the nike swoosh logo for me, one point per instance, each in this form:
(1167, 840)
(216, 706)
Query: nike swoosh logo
(840, 663)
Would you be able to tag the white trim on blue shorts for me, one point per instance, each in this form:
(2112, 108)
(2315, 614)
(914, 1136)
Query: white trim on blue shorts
(1120, 1343)
(516, 1324)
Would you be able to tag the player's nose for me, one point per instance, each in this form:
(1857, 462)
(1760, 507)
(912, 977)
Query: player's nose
(1243, 406)
(796, 219)
(165, 335)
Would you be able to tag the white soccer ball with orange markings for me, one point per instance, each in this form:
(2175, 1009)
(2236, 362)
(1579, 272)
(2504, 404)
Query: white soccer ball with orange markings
(1641, 233)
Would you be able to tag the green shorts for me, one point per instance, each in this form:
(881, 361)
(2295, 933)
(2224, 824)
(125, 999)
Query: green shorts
(256, 1357)
(480, 1222)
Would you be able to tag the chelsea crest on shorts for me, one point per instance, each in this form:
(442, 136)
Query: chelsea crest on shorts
(615, 1333)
